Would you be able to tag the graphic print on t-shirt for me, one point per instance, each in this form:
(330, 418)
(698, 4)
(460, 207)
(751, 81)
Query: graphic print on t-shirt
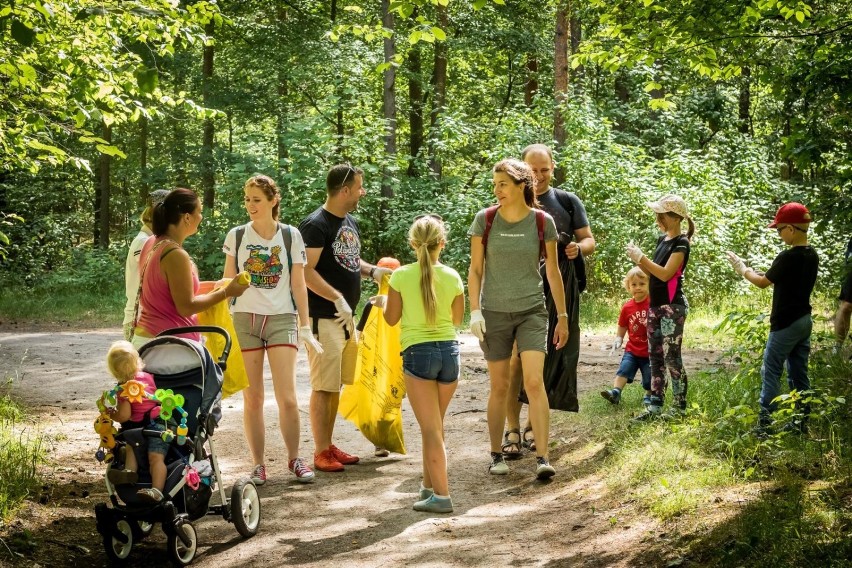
(347, 249)
(637, 321)
(264, 266)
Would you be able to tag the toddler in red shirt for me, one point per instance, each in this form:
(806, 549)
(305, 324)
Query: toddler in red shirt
(633, 321)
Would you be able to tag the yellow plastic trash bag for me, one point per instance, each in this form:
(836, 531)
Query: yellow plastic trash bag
(235, 378)
(374, 401)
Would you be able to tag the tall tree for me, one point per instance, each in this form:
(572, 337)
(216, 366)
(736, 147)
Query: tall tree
(208, 166)
(439, 92)
(102, 209)
(560, 78)
(415, 109)
(389, 97)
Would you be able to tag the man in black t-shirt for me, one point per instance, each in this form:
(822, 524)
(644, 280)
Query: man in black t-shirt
(844, 310)
(793, 274)
(560, 379)
(333, 275)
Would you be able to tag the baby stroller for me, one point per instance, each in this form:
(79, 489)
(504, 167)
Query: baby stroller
(188, 369)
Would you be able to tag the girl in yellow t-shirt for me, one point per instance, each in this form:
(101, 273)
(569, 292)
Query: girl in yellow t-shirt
(428, 298)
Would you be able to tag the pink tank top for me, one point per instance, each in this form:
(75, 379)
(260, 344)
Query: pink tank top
(156, 304)
(138, 409)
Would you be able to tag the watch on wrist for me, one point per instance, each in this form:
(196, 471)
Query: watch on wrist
(562, 315)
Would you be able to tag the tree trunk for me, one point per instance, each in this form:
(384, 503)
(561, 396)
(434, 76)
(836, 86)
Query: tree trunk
(283, 94)
(531, 85)
(389, 99)
(178, 145)
(576, 36)
(560, 80)
(745, 102)
(439, 94)
(208, 167)
(102, 209)
(415, 113)
(144, 187)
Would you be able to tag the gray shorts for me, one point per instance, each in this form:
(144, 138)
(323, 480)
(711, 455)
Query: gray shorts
(502, 329)
(257, 331)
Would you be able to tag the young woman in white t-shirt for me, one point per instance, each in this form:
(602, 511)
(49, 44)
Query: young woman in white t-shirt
(271, 317)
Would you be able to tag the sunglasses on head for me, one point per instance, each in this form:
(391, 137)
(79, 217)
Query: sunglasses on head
(431, 216)
(349, 171)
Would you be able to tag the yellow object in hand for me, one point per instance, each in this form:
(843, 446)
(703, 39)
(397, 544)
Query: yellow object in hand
(244, 278)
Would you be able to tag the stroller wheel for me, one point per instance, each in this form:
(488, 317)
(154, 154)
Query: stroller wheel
(245, 508)
(182, 544)
(118, 543)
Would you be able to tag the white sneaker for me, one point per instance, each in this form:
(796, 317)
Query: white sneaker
(543, 469)
(381, 452)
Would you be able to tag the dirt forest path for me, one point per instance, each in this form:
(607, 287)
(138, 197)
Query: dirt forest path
(361, 517)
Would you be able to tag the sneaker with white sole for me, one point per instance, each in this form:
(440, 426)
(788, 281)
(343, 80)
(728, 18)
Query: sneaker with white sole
(303, 473)
(543, 469)
(498, 465)
(381, 452)
(258, 476)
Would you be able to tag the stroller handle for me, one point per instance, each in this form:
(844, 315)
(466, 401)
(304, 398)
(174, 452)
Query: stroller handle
(223, 358)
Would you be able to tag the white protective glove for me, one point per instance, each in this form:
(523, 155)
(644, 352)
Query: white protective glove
(306, 336)
(380, 301)
(634, 252)
(477, 324)
(616, 344)
(379, 272)
(345, 319)
(737, 263)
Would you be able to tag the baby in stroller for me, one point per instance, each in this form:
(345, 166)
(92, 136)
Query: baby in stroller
(188, 399)
(137, 411)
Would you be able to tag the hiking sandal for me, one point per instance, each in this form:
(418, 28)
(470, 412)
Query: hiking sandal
(528, 441)
(511, 450)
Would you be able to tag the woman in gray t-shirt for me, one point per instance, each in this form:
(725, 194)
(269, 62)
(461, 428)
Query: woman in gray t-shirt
(507, 300)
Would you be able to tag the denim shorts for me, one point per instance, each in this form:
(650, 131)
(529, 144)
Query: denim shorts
(631, 363)
(433, 360)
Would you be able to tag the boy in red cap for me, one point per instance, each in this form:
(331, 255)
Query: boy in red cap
(793, 274)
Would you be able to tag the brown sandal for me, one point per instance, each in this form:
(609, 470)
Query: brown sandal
(511, 450)
(528, 441)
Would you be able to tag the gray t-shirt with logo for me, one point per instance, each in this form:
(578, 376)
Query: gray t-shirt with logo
(512, 282)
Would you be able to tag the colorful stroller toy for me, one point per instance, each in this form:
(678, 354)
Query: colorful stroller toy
(187, 369)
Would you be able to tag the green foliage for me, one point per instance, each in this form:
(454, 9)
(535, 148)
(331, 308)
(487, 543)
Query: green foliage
(21, 452)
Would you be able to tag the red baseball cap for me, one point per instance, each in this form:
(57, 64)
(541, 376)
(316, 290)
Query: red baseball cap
(791, 213)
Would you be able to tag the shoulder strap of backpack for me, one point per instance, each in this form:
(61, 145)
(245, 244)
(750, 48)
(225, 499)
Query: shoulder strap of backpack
(490, 213)
(287, 235)
(539, 223)
(565, 201)
(241, 230)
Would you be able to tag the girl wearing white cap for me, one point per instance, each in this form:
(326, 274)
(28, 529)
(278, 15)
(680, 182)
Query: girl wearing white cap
(669, 307)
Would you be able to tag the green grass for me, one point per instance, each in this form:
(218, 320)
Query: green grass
(796, 491)
(21, 452)
(80, 306)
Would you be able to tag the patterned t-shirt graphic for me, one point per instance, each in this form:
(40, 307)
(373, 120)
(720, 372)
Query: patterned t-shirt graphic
(347, 249)
(264, 266)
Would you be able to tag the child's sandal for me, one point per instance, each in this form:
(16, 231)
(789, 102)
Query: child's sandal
(528, 441)
(511, 450)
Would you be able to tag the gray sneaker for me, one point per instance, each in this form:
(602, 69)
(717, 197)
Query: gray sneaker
(434, 504)
(498, 465)
(652, 412)
(543, 469)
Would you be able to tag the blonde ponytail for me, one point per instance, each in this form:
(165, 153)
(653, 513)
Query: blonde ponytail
(426, 234)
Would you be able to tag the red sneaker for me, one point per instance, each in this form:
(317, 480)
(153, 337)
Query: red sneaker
(325, 461)
(343, 457)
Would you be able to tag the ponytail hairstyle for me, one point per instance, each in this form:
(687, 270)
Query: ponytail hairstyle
(427, 233)
(267, 185)
(179, 202)
(520, 172)
(123, 361)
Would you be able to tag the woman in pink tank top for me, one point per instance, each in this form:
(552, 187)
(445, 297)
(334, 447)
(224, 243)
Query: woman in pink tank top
(169, 277)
